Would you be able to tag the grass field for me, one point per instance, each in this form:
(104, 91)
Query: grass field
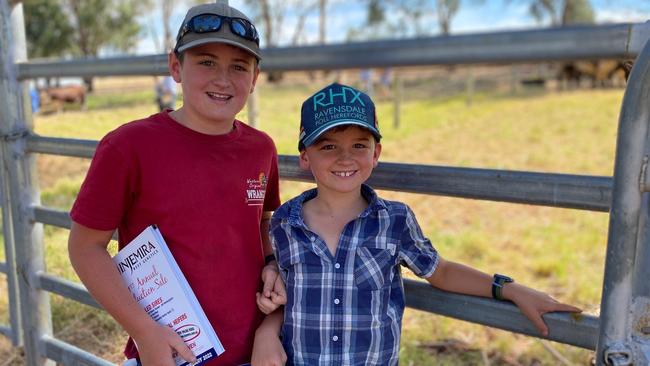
(560, 251)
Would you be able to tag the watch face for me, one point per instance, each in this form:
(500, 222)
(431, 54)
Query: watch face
(502, 279)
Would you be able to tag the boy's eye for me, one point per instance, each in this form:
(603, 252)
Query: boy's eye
(206, 62)
(240, 68)
(360, 146)
(327, 147)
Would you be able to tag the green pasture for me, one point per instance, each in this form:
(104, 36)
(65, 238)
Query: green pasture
(560, 251)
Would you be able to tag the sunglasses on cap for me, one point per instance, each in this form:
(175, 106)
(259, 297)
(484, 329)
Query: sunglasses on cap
(205, 23)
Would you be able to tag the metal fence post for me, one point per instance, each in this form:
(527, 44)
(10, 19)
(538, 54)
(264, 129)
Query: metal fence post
(253, 108)
(15, 331)
(398, 94)
(19, 167)
(622, 313)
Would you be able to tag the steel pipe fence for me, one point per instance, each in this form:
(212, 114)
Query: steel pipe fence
(625, 332)
(68, 289)
(6, 331)
(67, 354)
(585, 42)
(619, 335)
(580, 331)
(547, 189)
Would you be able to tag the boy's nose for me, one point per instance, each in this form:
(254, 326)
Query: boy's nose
(345, 154)
(220, 76)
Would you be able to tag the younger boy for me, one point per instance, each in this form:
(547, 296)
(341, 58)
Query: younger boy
(206, 179)
(339, 247)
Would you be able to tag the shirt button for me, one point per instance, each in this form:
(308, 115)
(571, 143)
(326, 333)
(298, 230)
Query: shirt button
(337, 266)
(335, 338)
(337, 301)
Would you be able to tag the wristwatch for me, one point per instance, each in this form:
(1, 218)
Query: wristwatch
(497, 285)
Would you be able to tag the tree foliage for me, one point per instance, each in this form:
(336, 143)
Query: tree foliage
(269, 17)
(376, 12)
(446, 11)
(578, 12)
(105, 24)
(166, 7)
(562, 12)
(47, 29)
(406, 18)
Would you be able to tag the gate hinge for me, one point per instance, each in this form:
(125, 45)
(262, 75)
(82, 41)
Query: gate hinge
(14, 135)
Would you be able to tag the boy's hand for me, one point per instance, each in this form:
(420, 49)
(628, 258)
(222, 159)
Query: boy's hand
(533, 304)
(273, 293)
(152, 352)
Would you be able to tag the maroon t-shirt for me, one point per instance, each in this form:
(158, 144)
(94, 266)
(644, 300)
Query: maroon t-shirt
(206, 194)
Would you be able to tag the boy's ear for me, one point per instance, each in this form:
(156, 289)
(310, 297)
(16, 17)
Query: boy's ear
(375, 155)
(255, 75)
(174, 65)
(303, 160)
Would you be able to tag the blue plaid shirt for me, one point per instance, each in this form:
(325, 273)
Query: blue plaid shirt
(347, 309)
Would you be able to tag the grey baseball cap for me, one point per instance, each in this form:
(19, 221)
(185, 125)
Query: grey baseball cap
(188, 39)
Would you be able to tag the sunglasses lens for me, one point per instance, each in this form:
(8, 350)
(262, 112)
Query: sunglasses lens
(244, 29)
(212, 23)
(206, 23)
(238, 28)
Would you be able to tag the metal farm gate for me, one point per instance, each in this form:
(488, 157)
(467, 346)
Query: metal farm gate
(620, 336)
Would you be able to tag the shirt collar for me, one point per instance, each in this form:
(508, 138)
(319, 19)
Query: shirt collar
(294, 214)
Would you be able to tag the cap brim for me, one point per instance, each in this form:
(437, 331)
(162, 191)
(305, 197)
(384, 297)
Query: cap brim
(206, 40)
(308, 140)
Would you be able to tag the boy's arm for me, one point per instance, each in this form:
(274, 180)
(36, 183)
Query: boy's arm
(267, 347)
(264, 231)
(95, 267)
(456, 277)
(273, 293)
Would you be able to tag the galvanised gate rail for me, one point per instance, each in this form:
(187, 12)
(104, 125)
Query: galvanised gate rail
(620, 336)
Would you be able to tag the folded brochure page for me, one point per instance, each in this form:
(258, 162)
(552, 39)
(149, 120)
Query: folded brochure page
(158, 285)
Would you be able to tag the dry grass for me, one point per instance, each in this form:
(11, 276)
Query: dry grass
(560, 251)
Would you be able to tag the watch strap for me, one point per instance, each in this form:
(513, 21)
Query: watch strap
(498, 282)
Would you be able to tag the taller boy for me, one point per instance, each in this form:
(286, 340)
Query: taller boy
(206, 179)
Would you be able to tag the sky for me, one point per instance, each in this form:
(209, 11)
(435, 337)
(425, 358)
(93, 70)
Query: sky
(473, 17)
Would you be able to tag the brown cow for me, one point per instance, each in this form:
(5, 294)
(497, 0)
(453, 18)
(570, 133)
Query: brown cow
(600, 73)
(57, 96)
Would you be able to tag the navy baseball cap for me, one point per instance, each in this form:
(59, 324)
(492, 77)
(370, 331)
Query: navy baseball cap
(333, 106)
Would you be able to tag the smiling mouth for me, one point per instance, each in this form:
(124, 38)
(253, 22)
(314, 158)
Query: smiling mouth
(345, 174)
(219, 96)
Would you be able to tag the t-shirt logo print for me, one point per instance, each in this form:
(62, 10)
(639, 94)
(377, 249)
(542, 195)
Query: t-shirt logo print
(256, 189)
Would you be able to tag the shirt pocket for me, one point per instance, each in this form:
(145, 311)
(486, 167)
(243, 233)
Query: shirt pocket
(373, 267)
(297, 263)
